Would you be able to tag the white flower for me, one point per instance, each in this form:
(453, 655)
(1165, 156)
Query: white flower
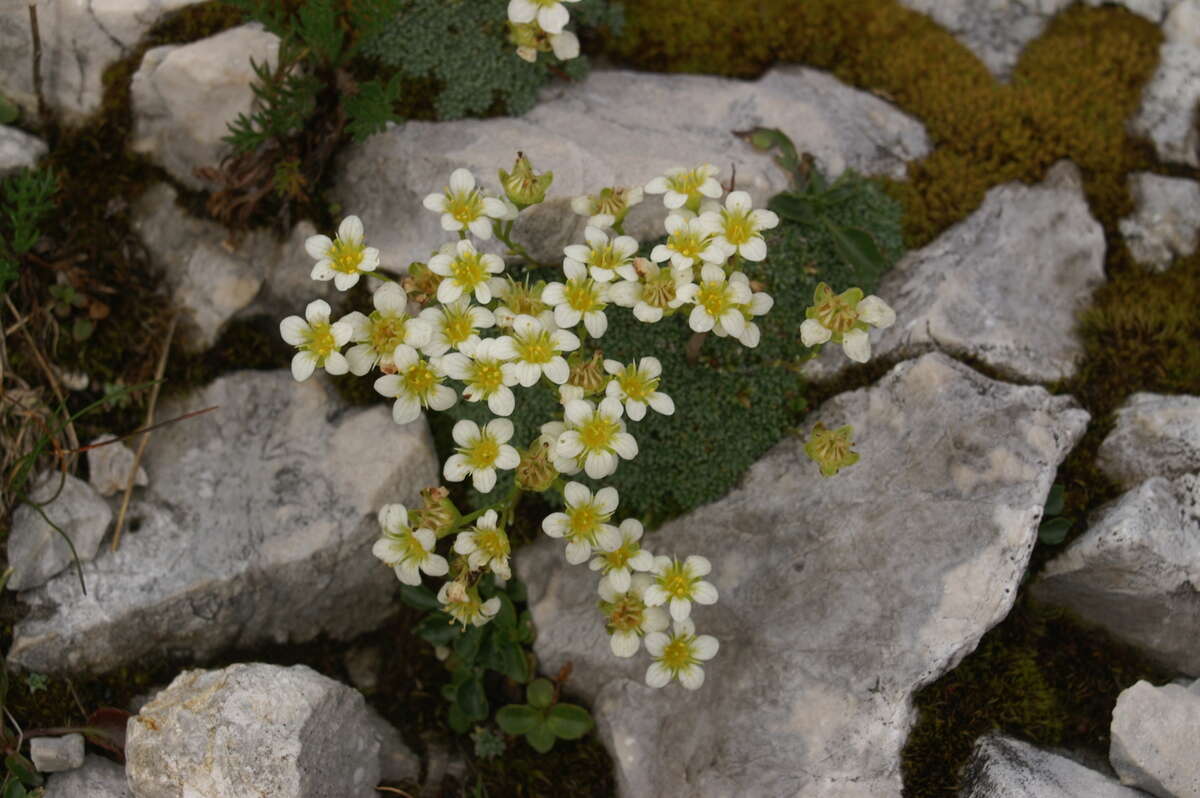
(681, 187)
(537, 351)
(845, 318)
(585, 525)
(463, 604)
(617, 566)
(738, 226)
(388, 326)
(680, 584)
(344, 258)
(649, 289)
(758, 304)
(637, 386)
(551, 15)
(678, 656)
(602, 258)
(462, 205)
(580, 298)
(464, 270)
(481, 452)
(454, 324)
(417, 383)
(627, 617)
(484, 367)
(565, 45)
(717, 300)
(517, 298)
(485, 546)
(688, 240)
(405, 550)
(608, 207)
(594, 437)
(317, 340)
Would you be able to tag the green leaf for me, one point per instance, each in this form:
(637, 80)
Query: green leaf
(15, 789)
(23, 769)
(320, 30)
(540, 737)
(8, 112)
(419, 597)
(856, 247)
(516, 590)
(1054, 502)
(514, 664)
(796, 208)
(1054, 531)
(372, 107)
(471, 700)
(540, 693)
(467, 644)
(506, 617)
(438, 628)
(517, 718)
(457, 720)
(82, 329)
(569, 721)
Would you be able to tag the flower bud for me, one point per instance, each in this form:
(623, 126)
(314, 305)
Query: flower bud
(438, 513)
(588, 374)
(524, 186)
(830, 449)
(421, 283)
(536, 472)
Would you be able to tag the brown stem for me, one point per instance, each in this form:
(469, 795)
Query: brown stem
(693, 347)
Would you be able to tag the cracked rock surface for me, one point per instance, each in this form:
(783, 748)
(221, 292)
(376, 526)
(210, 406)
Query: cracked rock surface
(1003, 767)
(1166, 221)
(258, 527)
(811, 691)
(1154, 435)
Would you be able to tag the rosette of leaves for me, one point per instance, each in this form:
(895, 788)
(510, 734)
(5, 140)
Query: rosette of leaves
(500, 647)
(543, 720)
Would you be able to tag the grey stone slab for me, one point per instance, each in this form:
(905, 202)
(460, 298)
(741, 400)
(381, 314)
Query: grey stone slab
(1156, 739)
(1002, 767)
(36, 550)
(1154, 435)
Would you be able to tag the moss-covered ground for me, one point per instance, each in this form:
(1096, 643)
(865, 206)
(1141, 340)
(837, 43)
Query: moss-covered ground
(1039, 675)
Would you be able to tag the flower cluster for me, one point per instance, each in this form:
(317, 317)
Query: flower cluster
(460, 326)
(540, 26)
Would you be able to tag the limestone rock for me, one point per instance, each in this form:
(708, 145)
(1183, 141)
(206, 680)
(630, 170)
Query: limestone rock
(1003, 286)
(183, 97)
(79, 39)
(258, 527)
(1002, 767)
(56, 754)
(811, 692)
(36, 551)
(1155, 435)
(1136, 571)
(1166, 222)
(109, 464)
(18, 149)
(1155, 746)
(1171, 99)
(610, 129)
(98, 778)
(397, 762)
(997, 31)
(253, 729)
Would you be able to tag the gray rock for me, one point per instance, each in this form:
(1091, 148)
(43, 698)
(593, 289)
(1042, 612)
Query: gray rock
(1136, 571)
(109, 465)
(1171, 100)
(610, 129)
(78, 41)
(36, 551)
(98, 778)
(1166, 222)
(397, 762)
(363, 665)
(998, 30)
(18, 149)
(253, 729)
(1002, 286)
(56, 754)
(1156, 739)
(1155, 435)
(1002, 767)
(259, 527)
(811, 692)
(184, 96)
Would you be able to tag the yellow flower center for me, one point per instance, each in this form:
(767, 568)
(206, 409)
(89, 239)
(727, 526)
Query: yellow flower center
(619, 558)
(492, 542)
(712, 298)
(837, 314)
(676, 582)
(604, 257)
(610, 201)
(535, 349)
(626, 614)
(419, 378)
(488, 376)
(468, 270)
(677, 654)
(345, 256)
(465, 208)
(597, 432)
(659, 291)
(686, 242)
(635, 385)
(687, 183)
(584, 520)
(581, 295)
(386, 333)
(738, 229)
(320, 341)
(483, 454)
(458, 327)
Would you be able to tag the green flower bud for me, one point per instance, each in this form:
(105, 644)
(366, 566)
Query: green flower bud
(524, 186)
(830, 449)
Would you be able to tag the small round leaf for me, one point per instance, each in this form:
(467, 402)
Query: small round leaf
(569, 721)
(517, 718)
(540, 693)
(540, 737)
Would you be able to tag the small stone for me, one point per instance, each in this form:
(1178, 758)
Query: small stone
(1136, 570)
(397, 762)
(1004, 286)
(109, 465)
(363, 664)
(1002, 767)
(56, 754)
(36, 551)
(98, 778)
(184, 97)
(1154, 435)
(1166, 220)
(18, 150)
(1170, 99)
(1156, 739)
(253, 729)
